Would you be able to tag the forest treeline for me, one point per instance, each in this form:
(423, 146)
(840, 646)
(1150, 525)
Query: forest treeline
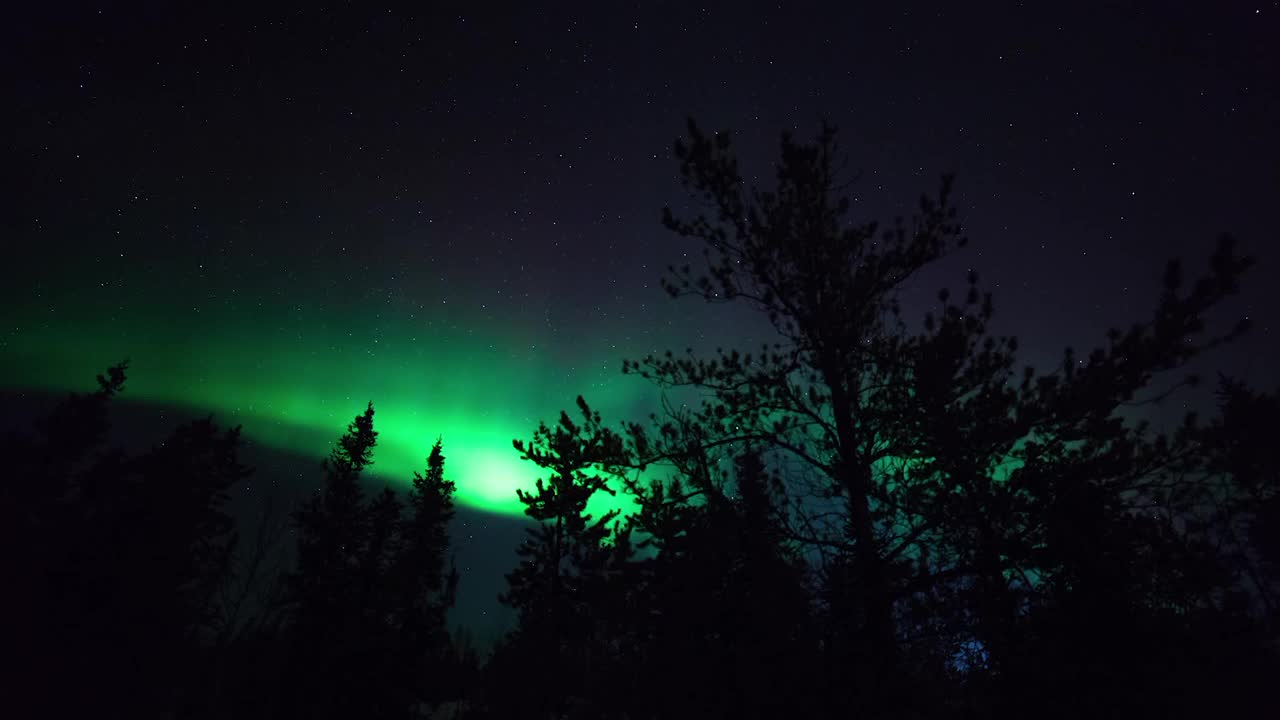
(871, 516)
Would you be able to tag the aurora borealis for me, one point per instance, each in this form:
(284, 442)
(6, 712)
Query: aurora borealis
(295, 386)
(277, 217)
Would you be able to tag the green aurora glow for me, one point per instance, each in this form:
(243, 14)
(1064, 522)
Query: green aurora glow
(296, 391)
(294, 376)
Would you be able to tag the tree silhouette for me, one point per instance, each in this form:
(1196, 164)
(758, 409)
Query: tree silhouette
(328, 589)
(370, 592)
(1240, 449)
(979, 528)
(427, 589)
(869, 517)
(831, 391)
(332, 529)
(564, 575)
(719, 605)
(119, 558)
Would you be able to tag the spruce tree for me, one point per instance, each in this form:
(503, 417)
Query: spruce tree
(328, 588)
(427, 587)
(332, 528)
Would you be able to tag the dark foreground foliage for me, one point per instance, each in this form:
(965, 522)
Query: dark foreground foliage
(874, 516)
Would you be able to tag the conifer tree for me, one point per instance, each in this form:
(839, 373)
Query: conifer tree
(563, 577)
(426, 586)
(327, 673)
(371, 592)
(332, 529)
(121, 588)
(830, 392)
(958, 497)
(426, 545)
(718, 602)
(1240, 446)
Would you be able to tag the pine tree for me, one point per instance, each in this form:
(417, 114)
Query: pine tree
(563, 576)
(961, 510)
(830, 392)
(427, 588)
(332, 528)
(329, 586)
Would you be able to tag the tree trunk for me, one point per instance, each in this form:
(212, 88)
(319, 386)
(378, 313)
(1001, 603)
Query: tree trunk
(879, 657)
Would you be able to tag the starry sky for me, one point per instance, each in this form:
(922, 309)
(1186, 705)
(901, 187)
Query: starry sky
(453, 210)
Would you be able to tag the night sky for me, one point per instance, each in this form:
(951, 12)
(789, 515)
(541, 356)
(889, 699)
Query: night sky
(454, 212)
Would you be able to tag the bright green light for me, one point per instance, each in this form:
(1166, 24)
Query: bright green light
(298, 393)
